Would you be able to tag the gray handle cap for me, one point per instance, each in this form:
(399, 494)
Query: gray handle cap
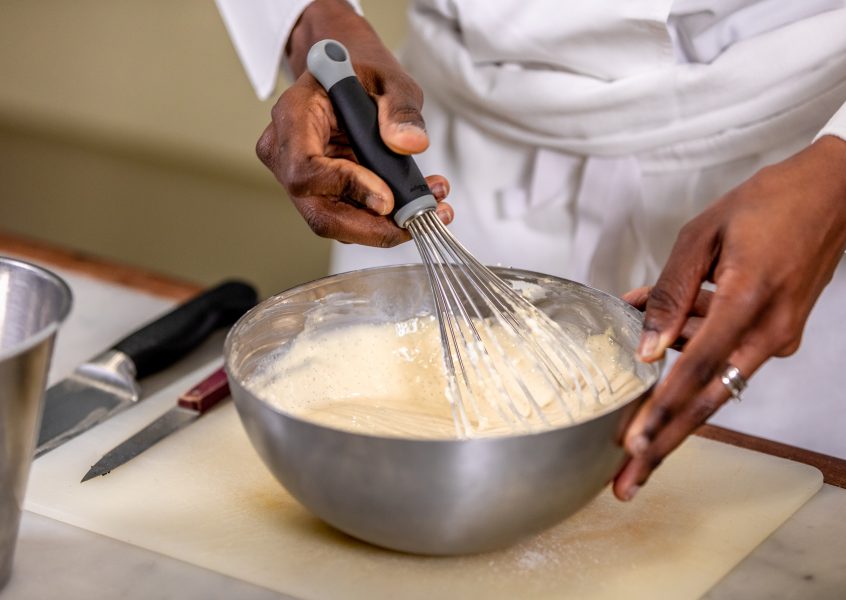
(414, 208)
(329, 62)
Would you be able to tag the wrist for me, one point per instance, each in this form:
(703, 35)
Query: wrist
(832, 151)
(323, 19)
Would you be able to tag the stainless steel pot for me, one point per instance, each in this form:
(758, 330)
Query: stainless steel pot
(33, 303)
(430, 496)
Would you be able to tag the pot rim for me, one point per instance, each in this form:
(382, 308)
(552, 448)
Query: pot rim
(50, 328)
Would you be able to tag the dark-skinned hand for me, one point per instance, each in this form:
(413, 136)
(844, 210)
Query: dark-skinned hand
(311, 157)
(770, 246)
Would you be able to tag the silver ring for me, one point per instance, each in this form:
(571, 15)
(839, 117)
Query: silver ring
(734, 381)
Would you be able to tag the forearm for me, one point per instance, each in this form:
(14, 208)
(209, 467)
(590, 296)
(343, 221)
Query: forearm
(331, 19)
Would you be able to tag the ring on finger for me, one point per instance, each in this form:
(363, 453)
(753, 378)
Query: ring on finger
(734, 381)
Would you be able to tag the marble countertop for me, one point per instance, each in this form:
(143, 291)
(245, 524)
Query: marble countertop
(804, 558)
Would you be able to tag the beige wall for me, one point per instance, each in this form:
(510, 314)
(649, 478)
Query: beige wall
(127, 131)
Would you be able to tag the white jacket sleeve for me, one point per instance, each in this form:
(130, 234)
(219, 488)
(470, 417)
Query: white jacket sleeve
(259, 30)
(836, 126)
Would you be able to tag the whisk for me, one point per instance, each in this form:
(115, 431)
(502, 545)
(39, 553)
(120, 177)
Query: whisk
(500, 351)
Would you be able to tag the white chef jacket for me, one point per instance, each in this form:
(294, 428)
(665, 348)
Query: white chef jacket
(700, 30)
(554, 133)
(587, 133)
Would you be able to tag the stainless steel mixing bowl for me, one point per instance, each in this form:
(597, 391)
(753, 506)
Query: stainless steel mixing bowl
(437, 497)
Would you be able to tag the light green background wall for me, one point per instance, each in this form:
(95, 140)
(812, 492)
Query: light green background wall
(127, 131)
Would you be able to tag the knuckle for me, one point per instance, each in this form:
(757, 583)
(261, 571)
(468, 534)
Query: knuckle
(278, 110)
(699, 370)
(349, 186)
(663, 302)
(389, 238)
(296, 118)
(663, 415)
(754, 293)
(702, 409)
(688, 233)
(698, 233)
(279, 114)
(660, 416)
(287, 102)
(297, 179)
(407, 100)
(747, 294)
(790, 347)
(663, 296)
(341, 182)
(786, 333)
(265, 147)
(743, 288)
(320, 222)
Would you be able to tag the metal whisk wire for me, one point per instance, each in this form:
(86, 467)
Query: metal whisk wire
(462, 287)
(478, 313)
(451, 303)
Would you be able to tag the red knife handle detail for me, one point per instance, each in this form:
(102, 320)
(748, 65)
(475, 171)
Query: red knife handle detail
(207, 393)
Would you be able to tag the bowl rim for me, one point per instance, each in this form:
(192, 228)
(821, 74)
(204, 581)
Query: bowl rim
(658, 365)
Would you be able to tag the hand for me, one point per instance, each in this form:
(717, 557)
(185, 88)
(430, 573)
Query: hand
(770, 246)
(311, 157)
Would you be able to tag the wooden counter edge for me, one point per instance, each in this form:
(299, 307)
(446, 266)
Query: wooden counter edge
(833, 469)
(106, 270)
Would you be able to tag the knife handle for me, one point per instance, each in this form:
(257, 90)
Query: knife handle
(329, 62)
(207, 393)
(162, 342)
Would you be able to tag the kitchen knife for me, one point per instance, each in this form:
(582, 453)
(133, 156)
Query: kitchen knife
(191, 406)
(107, 384)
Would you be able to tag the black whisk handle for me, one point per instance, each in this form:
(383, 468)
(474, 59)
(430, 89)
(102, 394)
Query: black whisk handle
(358, 116)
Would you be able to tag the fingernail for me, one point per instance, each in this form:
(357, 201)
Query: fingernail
(375, 203)
(648, 345)
(444, 215)
(632, 492)
(638, 445)
(439, 190)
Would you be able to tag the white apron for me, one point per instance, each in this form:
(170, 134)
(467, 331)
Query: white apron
(583, 159)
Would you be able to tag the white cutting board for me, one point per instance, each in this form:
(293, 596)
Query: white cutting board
(203, 496)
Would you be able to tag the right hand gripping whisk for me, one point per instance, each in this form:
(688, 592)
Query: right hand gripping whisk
(503, 356)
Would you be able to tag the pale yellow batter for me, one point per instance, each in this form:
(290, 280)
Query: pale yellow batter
(389, 379)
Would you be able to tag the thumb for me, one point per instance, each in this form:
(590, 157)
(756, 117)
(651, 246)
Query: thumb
(400, 122)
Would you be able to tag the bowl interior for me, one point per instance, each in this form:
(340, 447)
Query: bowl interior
(392, 294)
